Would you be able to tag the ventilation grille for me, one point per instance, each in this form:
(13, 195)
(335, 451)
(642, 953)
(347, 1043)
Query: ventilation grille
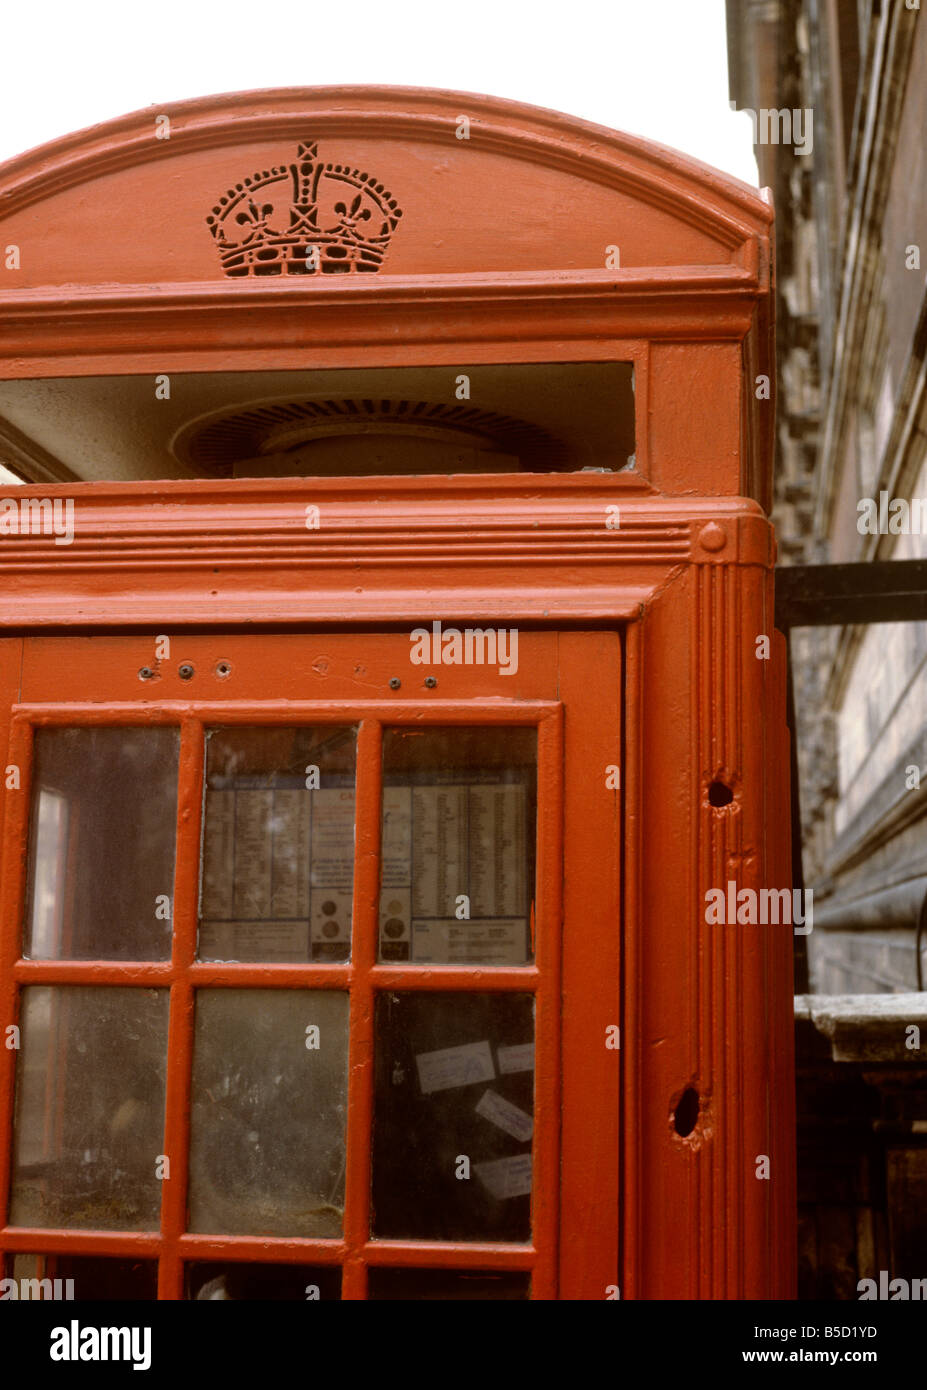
(215, 445)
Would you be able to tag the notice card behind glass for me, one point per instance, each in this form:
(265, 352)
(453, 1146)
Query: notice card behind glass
(458, 847)
(278, 848)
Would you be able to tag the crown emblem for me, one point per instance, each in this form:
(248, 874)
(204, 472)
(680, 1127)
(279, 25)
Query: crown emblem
(304, 218)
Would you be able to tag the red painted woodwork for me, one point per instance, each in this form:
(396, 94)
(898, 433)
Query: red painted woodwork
(641, 640)
(500, 255)
(55, 690)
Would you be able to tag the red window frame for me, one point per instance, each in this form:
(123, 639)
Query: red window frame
(566, 1137)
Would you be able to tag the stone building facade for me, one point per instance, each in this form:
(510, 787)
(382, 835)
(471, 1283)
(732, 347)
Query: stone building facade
(851, 247)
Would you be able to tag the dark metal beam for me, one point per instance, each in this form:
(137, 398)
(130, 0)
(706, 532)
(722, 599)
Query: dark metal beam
(879, 591)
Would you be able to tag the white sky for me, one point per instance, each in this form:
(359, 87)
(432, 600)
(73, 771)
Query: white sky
(653, 67)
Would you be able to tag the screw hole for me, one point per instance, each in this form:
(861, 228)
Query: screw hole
(223, 669)
(720, 794)
(685, 1116)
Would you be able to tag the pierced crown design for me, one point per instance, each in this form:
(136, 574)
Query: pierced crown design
(304, 218)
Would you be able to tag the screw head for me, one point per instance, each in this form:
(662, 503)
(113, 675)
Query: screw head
(395, 683)
(431, 682)
(145, 673)
(185, 671)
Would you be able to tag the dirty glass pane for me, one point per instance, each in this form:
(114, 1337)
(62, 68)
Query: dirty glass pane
(89, 1112)
(278, 844)
(237, 1280)
(91, 1277)
(445, 1284)
(267, 1148)
(101, 844)
(457, 877)
(454, 1078)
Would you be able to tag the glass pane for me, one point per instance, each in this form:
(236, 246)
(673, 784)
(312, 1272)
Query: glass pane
(85, 1277)
(89, 1121)
(101, 847)
(278, 845)
(457, 878)
(270, 1074)
(287, 1283)
(454, 1077)
(417, 1284)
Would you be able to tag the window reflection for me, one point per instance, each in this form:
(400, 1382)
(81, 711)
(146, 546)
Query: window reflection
(51, 841)
(89, 1117)
(267, 1148)
(101, 857)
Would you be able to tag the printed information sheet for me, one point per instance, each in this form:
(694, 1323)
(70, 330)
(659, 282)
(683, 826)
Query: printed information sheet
(455, 889)
(278, 869)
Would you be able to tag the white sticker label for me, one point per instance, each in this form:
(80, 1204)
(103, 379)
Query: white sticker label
(455, 1066)
(517, 1058)
(506, 1177)
(506, 1116)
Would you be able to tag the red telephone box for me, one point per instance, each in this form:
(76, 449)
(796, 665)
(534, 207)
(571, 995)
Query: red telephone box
(370, 769)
